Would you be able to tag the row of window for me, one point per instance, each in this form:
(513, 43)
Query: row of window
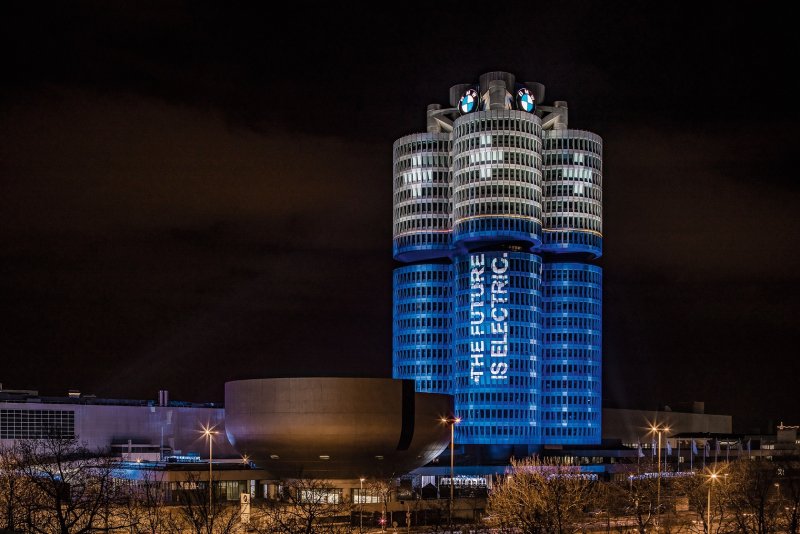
(571, 190)
(427, 222)
(573, 158)
(496, 157)
(572, 223)
(502, 413)
(520, 264)
(427, 207)
(423, 322)
(551, 175)
(506, 140)
(568, 431)
(512, 381)
(579, 338)
(516, 282)
(582, 175)
(585, 292)
(510, 122)
(572, 307)
(423, 353)
(419, 191)
(515, 349)
(569, 400)
(420, 177)
(570, 368)
(512, 175)
(513, 126)
(37, 424)
(425, 369)
(514, 361)
(430, 354)
(423, 338)
(498, 209)
(434, 386)
(494, 397)
(422, 306)
(550, 384)
(571, 353)
(523, 290)
(427, 291)
(423, 239)
(416, 274)
(432, 159)
(421, 145)
(509, 190)
(579, 240)
(489, 429)
(589, 143)
(576, 415)
(510, 227)
(561, 321)
(572, 206)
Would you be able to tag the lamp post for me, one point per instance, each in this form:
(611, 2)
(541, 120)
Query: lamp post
(658, 429)
(208, 432)
(452, 421)
(361, 508)
(711, 479)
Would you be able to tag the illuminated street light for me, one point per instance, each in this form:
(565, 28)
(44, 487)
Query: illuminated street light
(711, 479)
(452, 421)
(208, 432)
(658, 429)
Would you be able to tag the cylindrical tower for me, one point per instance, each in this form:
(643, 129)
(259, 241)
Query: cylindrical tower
(422, 330)
(497, 325)
(497, 179)
(498, 216)
(572, 206)
(422, 222)
(570, 408)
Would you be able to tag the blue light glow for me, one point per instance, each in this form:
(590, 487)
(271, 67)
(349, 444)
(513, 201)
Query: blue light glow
(487, 306)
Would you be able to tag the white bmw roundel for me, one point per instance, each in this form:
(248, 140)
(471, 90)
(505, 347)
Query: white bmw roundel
(469, 101)
(525, 100)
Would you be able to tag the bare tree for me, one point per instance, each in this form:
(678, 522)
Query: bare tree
(539, 498)
(383, 489)
(68, 486)
(639, 499)
(752, 496)
(309, 506)
(142, 506)
(194, 514)
(13, 488)
(788, 487)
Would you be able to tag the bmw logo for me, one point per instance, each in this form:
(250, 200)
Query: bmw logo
(468, 102)
(525, 100)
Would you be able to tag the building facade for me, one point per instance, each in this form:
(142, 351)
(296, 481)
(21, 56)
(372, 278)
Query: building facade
(498, 224)
(134, 429)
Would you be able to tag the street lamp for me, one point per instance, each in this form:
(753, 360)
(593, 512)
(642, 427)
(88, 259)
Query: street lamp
(361, 508)
(711, 479)
(452, 421)
(658, 429)
(208, 432)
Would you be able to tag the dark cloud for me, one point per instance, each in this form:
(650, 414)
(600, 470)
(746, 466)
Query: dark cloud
(194, 194)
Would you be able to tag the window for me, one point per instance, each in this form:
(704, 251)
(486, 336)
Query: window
(37, 424)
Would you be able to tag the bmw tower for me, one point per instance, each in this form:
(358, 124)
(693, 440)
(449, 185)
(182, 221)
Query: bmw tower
(497, 228)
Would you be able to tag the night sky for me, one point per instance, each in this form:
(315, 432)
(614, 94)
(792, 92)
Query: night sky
(195, 194)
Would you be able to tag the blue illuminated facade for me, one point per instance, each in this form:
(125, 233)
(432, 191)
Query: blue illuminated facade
(498, 301)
